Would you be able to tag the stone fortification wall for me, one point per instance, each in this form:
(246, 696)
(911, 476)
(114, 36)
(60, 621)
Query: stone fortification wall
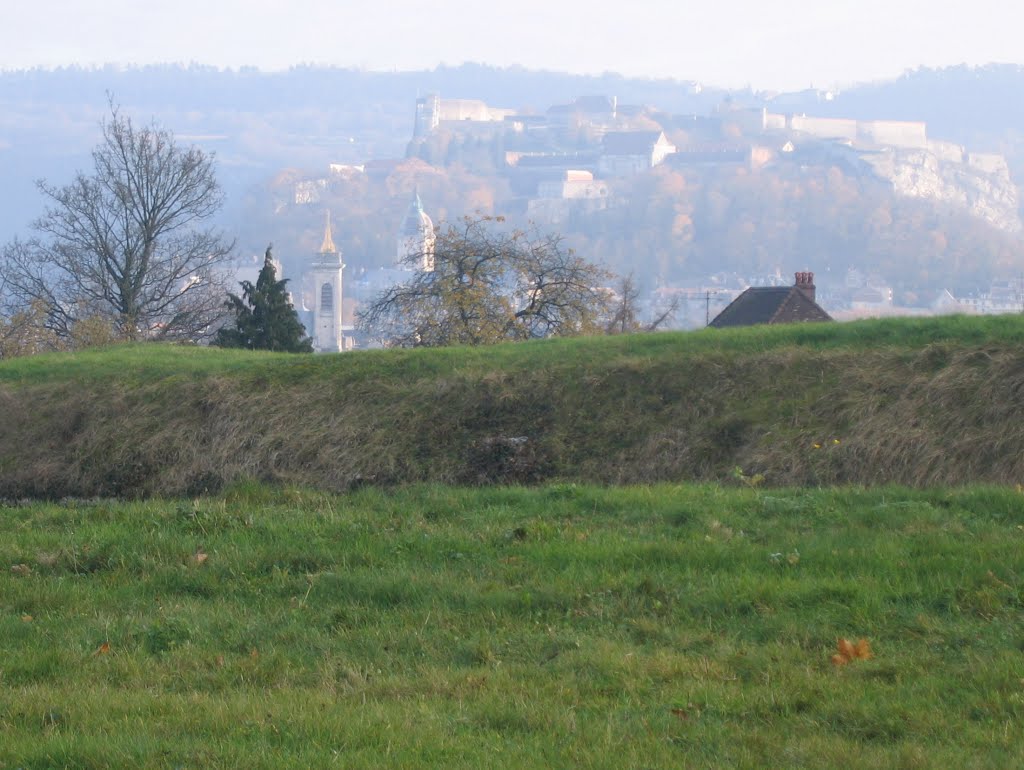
(470, 109)
(890, 133)
(825, 128)
(893, 133)
(947, 151)
(988, 163)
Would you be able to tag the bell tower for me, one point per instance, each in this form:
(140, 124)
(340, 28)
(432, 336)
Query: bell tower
(327, 269)
(416, 238)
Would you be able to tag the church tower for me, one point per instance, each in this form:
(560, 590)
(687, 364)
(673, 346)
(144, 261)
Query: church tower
(327, 268)
(416, 238)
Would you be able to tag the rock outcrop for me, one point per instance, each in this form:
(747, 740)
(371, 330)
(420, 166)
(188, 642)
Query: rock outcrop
(979, 183)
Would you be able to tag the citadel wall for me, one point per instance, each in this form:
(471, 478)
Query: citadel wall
(894, 133)
(470, 109)
(825, 128)
(988, 163)
(947, 151)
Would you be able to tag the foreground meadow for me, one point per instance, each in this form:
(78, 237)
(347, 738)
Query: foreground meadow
(668, 626)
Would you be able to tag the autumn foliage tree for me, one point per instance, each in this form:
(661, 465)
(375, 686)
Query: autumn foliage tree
(490, 284)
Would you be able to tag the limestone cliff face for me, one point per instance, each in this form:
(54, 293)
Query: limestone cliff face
(978, 183)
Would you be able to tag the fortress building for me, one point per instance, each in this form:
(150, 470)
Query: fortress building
(327, 269)
(462, 114)
(416, 238)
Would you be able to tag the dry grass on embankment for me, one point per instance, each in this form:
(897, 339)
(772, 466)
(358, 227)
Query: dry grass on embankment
(905, 402)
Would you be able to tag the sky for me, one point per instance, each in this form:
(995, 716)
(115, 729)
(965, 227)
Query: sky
(777, 45)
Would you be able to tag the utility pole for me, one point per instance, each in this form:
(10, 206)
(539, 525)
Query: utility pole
(705, 295)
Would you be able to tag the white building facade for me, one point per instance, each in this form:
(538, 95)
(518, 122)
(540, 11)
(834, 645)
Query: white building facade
(416, 238)
(327, 296)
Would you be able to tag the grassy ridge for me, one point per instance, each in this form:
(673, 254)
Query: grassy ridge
(910, 401)
(557, 626)
(145, 363)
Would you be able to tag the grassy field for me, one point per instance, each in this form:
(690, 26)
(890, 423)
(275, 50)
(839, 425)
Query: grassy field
(430, 626)
(912, 402)
(142, 363)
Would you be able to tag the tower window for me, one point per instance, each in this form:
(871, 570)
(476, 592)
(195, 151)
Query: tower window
(327, 298)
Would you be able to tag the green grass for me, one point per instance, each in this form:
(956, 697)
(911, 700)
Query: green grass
(140, 363)
(667, 626)
(914, 402)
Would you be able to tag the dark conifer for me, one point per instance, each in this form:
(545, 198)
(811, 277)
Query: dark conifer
(264, 318)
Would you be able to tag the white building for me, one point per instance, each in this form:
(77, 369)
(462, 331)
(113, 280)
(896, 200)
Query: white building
(416, 238)
(573, 185)
(327, 286)
(998, 300)
(625, 153)
(574, 191)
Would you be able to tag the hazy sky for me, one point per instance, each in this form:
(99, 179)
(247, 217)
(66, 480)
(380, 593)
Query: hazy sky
(775, 44)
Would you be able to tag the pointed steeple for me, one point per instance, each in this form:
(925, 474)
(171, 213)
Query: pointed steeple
(328, 244)
(416, 237)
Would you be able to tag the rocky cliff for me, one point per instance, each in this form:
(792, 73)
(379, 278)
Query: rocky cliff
(979, 183)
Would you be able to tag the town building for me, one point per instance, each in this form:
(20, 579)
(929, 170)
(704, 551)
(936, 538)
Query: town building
(625, 153)
(416, 238)
(574, 191)
(774, 305)
(432, 112)
(327, 268)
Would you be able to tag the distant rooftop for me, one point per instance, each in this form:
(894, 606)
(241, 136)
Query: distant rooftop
(770, 305)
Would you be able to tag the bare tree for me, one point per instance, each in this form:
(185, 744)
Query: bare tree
(128, 244)
(490, 285)
(625, 314)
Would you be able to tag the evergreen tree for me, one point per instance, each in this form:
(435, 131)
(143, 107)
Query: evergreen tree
(264, 316)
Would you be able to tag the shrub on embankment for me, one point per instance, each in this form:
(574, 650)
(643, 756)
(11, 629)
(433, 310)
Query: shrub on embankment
(917, 402)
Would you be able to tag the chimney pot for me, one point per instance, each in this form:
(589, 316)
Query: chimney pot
(805, 282)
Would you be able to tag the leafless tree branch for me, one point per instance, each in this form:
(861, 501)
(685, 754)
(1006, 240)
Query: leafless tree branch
(129, 242)
(490, 285)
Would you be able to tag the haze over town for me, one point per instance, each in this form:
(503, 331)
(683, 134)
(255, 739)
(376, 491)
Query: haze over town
(785, 45)
(701, 150)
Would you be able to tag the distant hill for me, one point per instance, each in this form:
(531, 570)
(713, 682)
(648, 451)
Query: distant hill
(270, 130)
(260, 122)
(162, 87)
(971, 105)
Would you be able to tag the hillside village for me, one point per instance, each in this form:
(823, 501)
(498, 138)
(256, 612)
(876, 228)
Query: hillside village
(898, 201)
(572, 160)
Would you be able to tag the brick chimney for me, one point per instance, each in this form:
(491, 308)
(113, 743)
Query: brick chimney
(805, 282)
